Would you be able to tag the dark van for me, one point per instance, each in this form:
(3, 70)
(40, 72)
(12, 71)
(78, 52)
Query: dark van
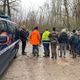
(9, 50)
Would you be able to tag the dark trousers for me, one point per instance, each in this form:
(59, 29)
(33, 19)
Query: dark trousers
(23, 46)
(35, 50)
(46, 49)
(53, 50)
(74, 51)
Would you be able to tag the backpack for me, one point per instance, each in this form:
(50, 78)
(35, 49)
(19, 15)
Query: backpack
(63, 37)
(53, 37)
(74, 40)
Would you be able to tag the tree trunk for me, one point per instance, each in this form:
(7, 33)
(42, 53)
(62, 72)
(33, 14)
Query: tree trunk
(66, 14)
(4, 6)
(9, 13)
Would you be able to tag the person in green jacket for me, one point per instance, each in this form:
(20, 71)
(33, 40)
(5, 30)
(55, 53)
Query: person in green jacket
(46, 40)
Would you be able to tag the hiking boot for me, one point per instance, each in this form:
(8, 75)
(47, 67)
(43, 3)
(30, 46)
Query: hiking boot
(23, 53)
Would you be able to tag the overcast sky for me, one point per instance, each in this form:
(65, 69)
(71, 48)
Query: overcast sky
(32, 4)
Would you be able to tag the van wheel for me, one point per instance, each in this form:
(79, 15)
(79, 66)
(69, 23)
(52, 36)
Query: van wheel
(16, 51)
(15, 56)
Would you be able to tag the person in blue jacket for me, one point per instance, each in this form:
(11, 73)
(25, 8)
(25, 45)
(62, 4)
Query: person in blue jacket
(74, 44)
(63, 41)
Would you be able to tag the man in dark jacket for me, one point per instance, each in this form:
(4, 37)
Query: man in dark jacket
(23, 38)
(74, 44)
(63, 41)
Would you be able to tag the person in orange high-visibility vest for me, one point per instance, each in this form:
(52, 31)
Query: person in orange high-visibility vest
(5, 34)
(35, 41)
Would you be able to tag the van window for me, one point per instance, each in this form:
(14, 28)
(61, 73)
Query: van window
(12, 30)
(3, 26)
(11, 27)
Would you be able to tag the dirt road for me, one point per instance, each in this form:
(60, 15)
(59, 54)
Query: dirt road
(33, 68)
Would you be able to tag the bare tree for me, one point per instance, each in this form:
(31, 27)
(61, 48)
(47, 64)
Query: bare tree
(66, 13)
(9, 5)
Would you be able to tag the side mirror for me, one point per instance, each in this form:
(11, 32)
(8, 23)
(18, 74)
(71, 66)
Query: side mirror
(3, 39)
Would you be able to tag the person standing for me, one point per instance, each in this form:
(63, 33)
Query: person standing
(63, 41)
(74, 43)
(23, 38)
(70, 40)
(35, 41)
(46, 41)
(54, 41)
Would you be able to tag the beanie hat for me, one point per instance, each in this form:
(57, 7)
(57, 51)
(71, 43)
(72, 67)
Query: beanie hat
(36, 27)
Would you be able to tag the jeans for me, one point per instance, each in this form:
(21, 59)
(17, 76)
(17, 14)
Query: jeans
(46, 49)
(63, 48)
(35, 50)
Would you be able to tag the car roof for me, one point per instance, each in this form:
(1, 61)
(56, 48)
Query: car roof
(7, 21)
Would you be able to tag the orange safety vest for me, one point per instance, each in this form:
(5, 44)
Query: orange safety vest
(5, 34)
(35, 37)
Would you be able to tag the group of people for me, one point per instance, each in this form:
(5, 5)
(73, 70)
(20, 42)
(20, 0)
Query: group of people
(65, 41)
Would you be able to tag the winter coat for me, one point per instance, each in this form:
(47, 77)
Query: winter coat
(23, 35)
(54, 37)
(45, 36)
(63, 38)
(74, 40)
(35, 37)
